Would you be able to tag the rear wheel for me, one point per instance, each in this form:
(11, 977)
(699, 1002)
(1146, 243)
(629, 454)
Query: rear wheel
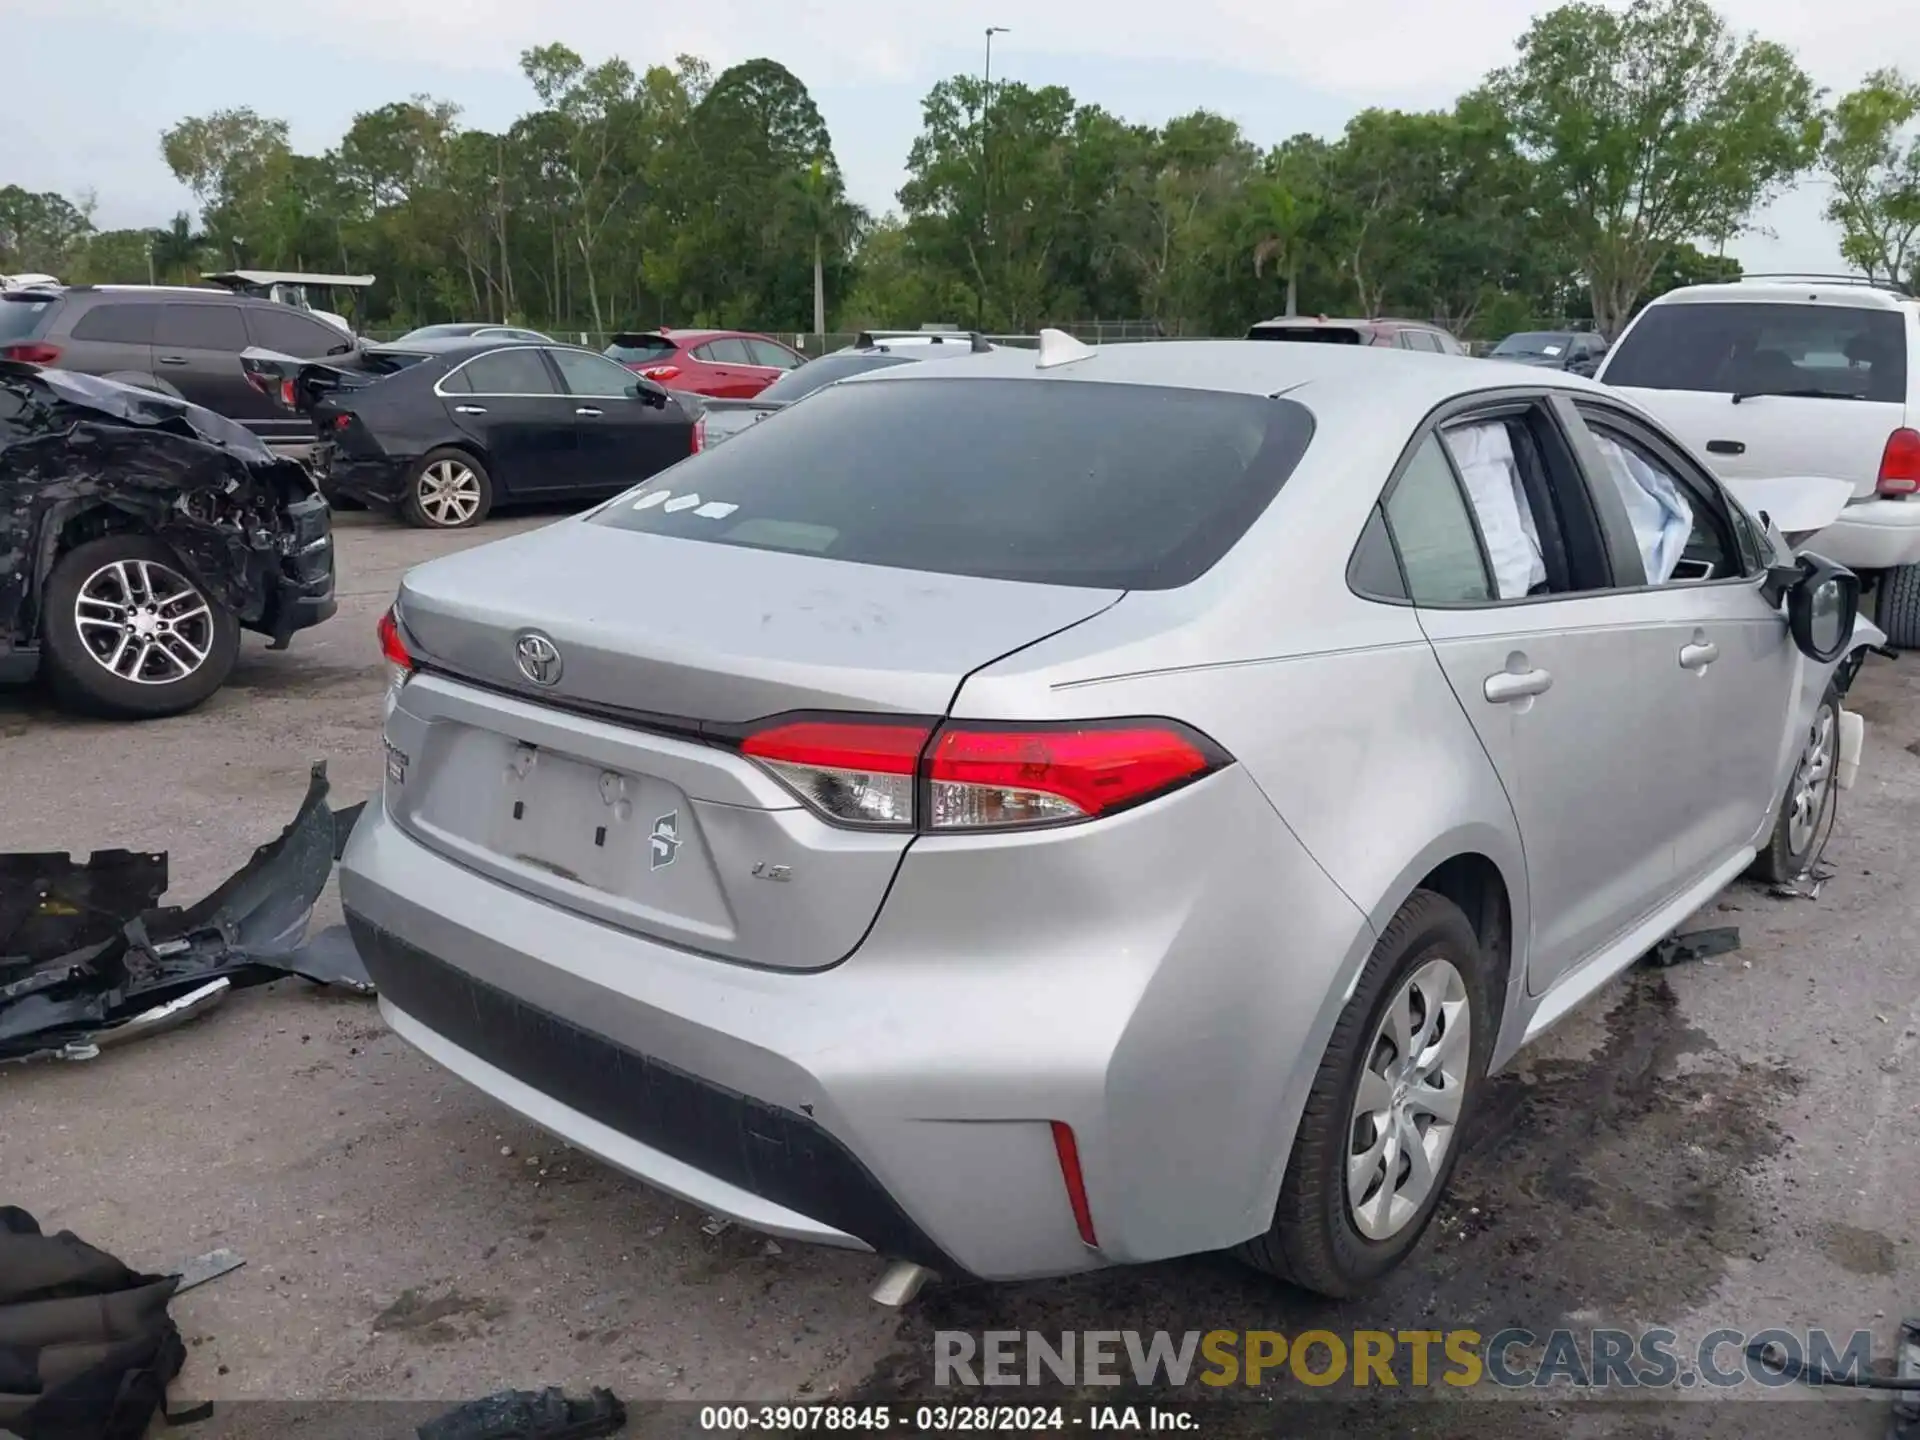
(1380, 1133)
(448, 490)
(128, 634)
(1897, 606)
(1812, 801)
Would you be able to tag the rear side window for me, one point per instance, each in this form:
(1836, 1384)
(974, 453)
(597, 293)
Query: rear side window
(117, 324)
(1740, 348)
(1057, 482)
(20, 319)
(725, 352)
(291, 333)
(201, 327)
(1434, 533)
(637, 349)
(509, 372)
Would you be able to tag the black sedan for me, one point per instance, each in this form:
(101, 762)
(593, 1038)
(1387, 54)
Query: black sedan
(443, 430)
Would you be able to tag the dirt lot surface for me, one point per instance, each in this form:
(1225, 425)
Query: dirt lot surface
(1726, 1143)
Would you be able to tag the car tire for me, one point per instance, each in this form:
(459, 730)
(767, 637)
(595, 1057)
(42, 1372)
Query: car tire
(447, 489)
(89, 639)
(1428, 959)
(1811, 801)
(1896, 608)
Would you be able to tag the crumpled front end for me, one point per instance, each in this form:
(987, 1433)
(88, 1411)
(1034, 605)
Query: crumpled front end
(81, 457)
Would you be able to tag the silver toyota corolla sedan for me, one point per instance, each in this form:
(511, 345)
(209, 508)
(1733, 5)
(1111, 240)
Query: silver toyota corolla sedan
(1132, 825)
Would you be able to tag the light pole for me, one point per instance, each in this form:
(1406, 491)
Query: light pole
(986, 174)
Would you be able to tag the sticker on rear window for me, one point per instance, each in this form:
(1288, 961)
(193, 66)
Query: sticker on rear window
(683, 502)
(1551, 350)
(652, 498)
(716, 510)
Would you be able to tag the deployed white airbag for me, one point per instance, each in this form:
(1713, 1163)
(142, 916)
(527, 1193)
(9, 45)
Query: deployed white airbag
(1662, 519)
(1484, 453)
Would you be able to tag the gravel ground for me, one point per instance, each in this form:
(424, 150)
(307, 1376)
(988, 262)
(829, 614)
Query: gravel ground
(1726, 1143)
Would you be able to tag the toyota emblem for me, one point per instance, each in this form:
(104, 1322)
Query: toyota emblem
(538, 658)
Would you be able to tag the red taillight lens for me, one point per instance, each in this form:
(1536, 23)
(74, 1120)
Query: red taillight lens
(340, 422)
(1900, 464)
(391, 645)
(699, 441)
(287, 397)
(884, 773)
(32, 352)
(856, 772)
(1068, 1149)
(662, 373)
(985, 778)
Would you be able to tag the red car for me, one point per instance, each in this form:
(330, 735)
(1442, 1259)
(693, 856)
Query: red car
(729, 363)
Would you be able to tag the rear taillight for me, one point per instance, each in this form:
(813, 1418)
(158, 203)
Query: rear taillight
(399, 662)
(1900, 464)
(699, 441)
(287, 396)
(340, 422)
(391, 645)
(662, 373)
(853, 772)
(978, 776)
(32, 352)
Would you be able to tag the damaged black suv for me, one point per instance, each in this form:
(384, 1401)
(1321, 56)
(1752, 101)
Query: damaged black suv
(139, 535)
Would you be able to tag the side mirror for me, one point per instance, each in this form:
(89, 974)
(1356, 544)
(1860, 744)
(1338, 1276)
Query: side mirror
(1822, 607)
(650, 392)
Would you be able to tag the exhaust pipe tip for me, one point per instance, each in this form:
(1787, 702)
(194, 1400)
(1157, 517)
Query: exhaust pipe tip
(900, 1283)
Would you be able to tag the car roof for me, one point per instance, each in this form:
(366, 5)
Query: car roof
(463, 344)
(1815, 289)
(1313, 322)
(1408, 382)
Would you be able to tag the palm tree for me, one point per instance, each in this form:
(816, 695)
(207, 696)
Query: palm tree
(178, 248)
(818, 201)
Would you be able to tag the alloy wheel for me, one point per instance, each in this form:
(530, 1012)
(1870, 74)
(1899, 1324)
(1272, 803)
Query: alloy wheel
(1412, 1082)
(1812, 782)
(449, 492)
(144, 622)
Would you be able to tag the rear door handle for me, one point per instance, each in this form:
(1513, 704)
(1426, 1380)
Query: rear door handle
(1698, 655)
(587, 410)
(173, 359)
(1506, 687)
(1726, 447)
(469, 409)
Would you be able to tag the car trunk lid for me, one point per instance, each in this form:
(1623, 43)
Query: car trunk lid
(612, 784)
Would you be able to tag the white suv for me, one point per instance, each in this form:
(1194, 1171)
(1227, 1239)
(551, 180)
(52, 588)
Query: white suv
(1781, 376)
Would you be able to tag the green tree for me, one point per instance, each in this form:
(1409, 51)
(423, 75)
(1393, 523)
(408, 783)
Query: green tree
(1871, 158)
(40, 233)
(1652, 125)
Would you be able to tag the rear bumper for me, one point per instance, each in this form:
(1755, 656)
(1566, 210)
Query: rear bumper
(377, 481)
(1872, 535)
(1172, 1014)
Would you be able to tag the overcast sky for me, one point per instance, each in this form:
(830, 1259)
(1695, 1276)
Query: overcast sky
(117, 72)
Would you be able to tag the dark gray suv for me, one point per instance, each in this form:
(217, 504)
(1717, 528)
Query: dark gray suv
(181, 341)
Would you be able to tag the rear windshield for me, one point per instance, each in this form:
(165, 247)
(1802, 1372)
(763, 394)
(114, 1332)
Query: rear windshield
(1738, 348)
(1058, 482)
(631, 348)
(1324, 334)
(824, 371)
(1534, 342)
(20, 317)
(389, 362)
